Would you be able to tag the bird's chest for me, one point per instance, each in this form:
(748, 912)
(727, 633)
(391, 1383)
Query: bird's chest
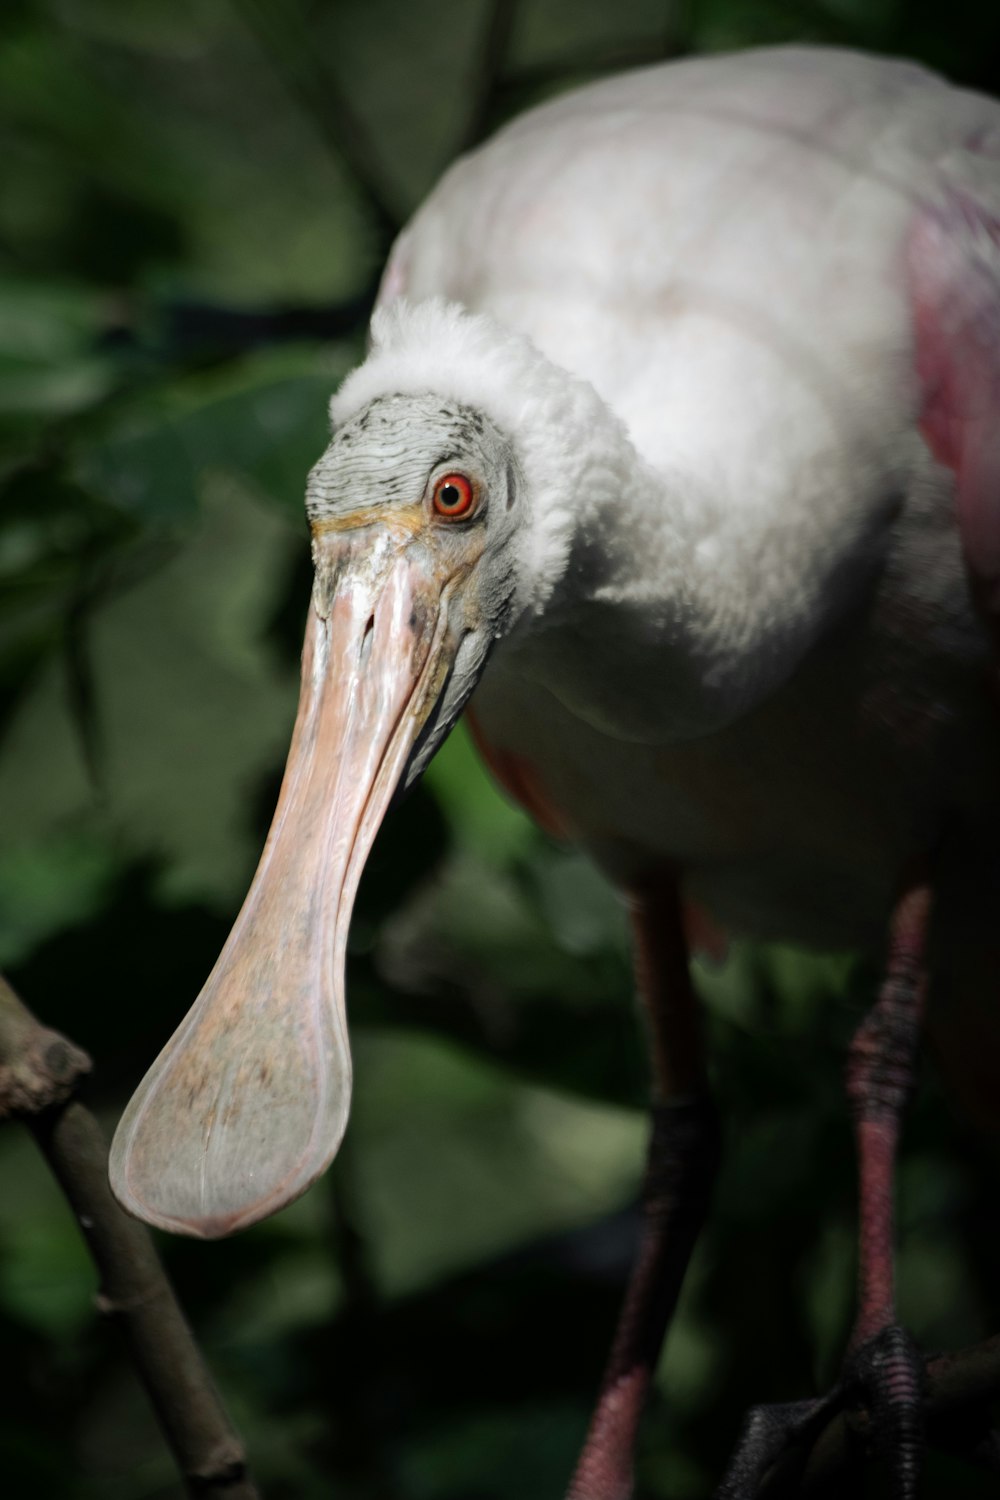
(792, 824)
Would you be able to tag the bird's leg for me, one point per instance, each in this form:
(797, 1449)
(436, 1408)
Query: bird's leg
(883, 1371)
(882, 1361)
(680, 1169)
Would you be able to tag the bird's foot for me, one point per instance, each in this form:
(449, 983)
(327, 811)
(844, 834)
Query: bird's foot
(768, 1432)
(881, 1391)
(887, 1374)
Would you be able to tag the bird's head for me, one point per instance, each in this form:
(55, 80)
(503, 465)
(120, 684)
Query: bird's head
(414, 511)
(441, 513)
(423, 550)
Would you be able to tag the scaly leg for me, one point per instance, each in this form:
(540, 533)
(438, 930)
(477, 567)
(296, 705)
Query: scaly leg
(680, 1169)
(880, 1077)
(882, 1367)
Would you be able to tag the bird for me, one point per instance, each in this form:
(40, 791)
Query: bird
(674, 463)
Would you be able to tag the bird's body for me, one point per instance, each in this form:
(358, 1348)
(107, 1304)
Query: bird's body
(677, 451)
(791, 824)
(719, 249)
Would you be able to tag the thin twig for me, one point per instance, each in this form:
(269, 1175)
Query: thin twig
(282, 33)
(39, 1073)
(81, 687)
(486, 90)
(566, 70)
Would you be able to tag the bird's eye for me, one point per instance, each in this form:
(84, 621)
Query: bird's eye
(454, 496)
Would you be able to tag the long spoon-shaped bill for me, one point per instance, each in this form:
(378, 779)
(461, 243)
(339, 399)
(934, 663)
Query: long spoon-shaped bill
(247, 1103)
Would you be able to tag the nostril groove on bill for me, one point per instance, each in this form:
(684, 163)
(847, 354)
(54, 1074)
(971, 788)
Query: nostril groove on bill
(366, 640)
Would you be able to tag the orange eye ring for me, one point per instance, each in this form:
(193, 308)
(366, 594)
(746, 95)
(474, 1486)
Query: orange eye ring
(454, 496)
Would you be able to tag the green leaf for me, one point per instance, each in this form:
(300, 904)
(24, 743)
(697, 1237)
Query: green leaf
(192, 709)
(263, 420)
(455, 1162)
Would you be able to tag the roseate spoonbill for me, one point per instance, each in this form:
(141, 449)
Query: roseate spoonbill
(677, 444)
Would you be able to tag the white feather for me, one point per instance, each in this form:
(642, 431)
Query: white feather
(682, 296)
(574, 453)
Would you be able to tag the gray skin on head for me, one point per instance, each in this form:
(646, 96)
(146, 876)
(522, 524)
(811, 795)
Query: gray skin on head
(386, 460)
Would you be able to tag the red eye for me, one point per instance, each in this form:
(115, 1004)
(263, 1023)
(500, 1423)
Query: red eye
(454, 496)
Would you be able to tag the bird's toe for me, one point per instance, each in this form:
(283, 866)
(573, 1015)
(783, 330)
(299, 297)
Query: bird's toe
(768, 1433)
(880, 1391)
(886, 1376)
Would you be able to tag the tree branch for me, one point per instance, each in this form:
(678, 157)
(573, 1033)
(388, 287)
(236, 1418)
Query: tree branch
(960, 1386)
(39, 1073)
(283, 35)
(485, 91)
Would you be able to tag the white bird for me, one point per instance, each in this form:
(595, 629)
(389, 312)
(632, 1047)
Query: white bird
(678, 445)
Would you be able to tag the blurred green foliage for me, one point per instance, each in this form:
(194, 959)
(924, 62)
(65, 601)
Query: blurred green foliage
(196, 199)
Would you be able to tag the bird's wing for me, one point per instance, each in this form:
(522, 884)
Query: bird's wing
(953, 263)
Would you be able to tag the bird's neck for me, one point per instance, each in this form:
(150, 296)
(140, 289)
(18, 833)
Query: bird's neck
(629, 625)
(662, 609)
(623, 605)
(656, 604)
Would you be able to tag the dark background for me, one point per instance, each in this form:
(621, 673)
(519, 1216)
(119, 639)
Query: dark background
(195, 200)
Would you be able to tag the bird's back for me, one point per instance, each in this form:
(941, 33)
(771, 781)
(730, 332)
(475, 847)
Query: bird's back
(719, 247)
(729, 226)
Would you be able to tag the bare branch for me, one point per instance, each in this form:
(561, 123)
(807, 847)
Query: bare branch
(960, 1384)
(529, 79)
(486, 90)
(283, 35)
(39, 1070)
